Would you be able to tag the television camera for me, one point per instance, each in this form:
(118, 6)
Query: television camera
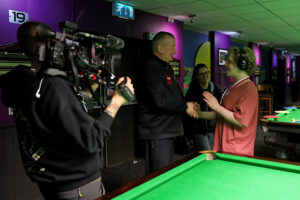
(83, 54)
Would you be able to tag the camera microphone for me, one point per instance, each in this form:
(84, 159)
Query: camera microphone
(91, 36)
(108, 41)
(114, 42)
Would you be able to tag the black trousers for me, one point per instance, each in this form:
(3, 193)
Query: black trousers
(89, 191)
(159, 153)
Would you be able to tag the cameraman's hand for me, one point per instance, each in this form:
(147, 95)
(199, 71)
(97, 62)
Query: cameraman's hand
(128, 85)
(118, 100)
(95, 85)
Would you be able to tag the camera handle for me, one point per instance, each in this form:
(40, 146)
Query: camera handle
(125, 91)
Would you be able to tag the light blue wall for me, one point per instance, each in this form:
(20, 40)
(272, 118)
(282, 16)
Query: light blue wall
(236, 44)
(192, 42)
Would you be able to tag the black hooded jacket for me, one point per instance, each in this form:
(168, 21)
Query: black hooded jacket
(161, 103)
(59, 141)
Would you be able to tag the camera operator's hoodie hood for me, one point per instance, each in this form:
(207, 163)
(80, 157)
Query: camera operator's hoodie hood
(15, 86)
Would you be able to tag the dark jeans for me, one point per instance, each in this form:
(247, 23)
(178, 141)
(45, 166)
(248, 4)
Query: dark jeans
(159, 153)
(204, 141)
(89, 191)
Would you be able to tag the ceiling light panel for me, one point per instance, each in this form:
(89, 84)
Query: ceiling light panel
(281, 4)
(212, 14)
(254, 17)
(245, 9)
(287, 12)
(138, 4)
(195, 6)
(166, 11)
(170, 2)
(229, 3)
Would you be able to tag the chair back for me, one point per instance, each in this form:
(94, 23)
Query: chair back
(264, 89)
(265, 98)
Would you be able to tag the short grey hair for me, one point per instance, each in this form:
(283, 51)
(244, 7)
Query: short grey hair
(159, 38)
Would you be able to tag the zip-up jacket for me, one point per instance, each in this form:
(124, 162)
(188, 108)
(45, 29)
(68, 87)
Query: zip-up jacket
(161, 102)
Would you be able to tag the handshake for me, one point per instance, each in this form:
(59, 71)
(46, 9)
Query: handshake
(193, 109)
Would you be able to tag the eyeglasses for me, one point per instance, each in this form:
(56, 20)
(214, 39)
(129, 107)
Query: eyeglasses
(203, 73)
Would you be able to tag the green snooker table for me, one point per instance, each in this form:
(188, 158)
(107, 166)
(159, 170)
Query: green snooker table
(225, 177)
(285, 123)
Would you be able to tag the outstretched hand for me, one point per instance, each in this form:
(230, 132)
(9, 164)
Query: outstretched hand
(211, 101)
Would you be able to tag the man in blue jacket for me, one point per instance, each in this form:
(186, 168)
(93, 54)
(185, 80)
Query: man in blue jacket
(161, 104)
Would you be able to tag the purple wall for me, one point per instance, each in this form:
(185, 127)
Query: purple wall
(274, 59)
(48, 11)
(257, 54)
(288, 69)
(297, 59)
(97, 17)
(221, 41)
(288, 61)
(256, 51)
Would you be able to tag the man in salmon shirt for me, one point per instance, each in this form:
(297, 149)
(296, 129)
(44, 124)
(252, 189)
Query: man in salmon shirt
(238, 109)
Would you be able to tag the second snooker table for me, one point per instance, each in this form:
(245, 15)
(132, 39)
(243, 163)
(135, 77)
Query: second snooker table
(225, 177)
(280, 133)
(284, 123)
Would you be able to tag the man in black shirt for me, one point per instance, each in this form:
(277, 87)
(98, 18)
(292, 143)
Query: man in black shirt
(161, 104)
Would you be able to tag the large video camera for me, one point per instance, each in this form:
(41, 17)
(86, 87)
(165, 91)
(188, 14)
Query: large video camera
(89, 51)
(83, 54)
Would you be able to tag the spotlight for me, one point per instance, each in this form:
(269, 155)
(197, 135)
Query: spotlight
(241, 34)
(192, 16)
(171, 20)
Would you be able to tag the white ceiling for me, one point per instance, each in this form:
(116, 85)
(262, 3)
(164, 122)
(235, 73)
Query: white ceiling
(273, 23)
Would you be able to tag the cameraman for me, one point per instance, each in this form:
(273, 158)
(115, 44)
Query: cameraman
(59, 141)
